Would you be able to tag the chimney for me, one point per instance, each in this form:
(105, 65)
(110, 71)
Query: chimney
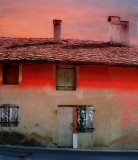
(119, 31)
(125, 33)
(114, 19)
(57, 30)
(114, 29)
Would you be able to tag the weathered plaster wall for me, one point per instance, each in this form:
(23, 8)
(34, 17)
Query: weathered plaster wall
(113, 91)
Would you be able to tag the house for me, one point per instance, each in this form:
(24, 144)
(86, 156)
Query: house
(70, 93)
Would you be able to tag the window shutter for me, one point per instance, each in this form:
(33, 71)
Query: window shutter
(60, 79)
(70, 82)
(89, 117)
(65, 77)
(13, 117)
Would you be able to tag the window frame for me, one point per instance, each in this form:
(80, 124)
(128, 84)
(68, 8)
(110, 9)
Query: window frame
(9, 123)
(66, 68)
(80, 127)
(4, 74)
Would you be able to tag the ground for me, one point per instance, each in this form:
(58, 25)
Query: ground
(35, 153)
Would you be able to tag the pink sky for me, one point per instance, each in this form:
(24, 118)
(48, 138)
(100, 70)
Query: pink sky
(82, 19)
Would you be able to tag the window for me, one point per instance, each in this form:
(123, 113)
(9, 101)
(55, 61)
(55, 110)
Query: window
(66, 77)
(10, 74)
(9, 115)
(85, 118)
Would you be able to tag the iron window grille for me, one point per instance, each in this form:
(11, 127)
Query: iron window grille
(9, 115)
(85, 118)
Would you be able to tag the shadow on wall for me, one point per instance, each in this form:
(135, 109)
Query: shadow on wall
(128, 141)
(33, 139)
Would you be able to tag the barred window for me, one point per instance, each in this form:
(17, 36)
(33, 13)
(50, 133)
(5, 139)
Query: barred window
(65, 77)
(9, 115)
(85, 118)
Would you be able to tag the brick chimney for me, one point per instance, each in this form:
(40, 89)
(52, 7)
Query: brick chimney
(57, 30)
(119, 30)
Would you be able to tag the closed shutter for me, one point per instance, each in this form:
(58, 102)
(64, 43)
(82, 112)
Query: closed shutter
(65, 77)
(60, 77)
(70, 79)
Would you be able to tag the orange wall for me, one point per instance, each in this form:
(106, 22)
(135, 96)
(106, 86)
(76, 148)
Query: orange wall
(115, 78)
(124, 78)
(38, 76)
(93, 77)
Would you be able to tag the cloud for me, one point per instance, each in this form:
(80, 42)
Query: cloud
(81, 19)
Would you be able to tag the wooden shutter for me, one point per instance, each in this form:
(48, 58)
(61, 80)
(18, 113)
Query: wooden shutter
(60, 77)
(65, 77)
(70, 82)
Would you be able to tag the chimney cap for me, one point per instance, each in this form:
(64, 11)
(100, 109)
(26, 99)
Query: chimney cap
(124, 21)
(113, 17)
(57, 21)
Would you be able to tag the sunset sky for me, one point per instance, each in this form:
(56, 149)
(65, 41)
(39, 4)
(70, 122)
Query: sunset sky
(82, 19)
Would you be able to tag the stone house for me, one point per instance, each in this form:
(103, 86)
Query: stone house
(70, 93)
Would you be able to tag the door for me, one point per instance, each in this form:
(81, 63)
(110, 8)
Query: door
(65, 126)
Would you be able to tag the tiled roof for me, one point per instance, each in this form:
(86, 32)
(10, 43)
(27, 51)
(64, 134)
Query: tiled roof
(76, 51)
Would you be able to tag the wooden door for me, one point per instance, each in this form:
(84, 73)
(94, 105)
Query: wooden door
(65, 126)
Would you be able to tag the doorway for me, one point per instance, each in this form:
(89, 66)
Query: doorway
(65, 126)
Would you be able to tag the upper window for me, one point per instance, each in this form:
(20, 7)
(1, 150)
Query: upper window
(66, 77)
(8, 115)
(85, 119)
(10, 74)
